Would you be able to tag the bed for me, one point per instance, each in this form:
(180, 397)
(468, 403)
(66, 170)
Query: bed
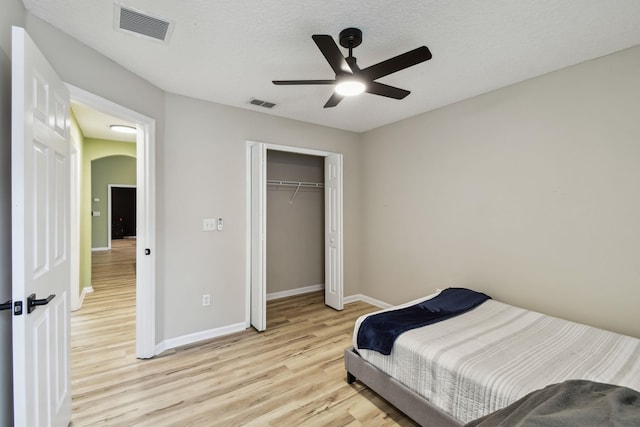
(458, 370)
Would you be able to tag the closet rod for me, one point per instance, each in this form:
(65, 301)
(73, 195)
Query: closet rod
(295, 183)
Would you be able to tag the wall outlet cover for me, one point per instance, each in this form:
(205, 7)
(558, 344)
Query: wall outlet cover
(209, 224)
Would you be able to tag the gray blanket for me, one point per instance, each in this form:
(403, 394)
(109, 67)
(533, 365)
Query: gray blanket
(571, 403)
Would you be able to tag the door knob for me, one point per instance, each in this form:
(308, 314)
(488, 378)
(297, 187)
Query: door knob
(6, 305)
(32, 302)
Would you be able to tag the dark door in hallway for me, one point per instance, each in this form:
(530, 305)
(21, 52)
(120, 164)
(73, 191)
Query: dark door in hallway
(123, 212)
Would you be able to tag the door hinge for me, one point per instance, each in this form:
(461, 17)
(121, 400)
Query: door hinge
(17, 308)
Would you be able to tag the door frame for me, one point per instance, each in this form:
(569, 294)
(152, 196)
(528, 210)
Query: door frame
(109, 196)
(250, 214)
(145, 216)
(74, 219)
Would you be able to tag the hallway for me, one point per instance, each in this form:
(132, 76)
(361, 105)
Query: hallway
(103, 330)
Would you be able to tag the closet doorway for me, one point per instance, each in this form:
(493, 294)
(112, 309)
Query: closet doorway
(293, 175)
(295, 224)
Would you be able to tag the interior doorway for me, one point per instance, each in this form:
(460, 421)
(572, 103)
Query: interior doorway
(257, 221)
(145, 217)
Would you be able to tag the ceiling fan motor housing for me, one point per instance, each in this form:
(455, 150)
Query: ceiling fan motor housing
(350, 38)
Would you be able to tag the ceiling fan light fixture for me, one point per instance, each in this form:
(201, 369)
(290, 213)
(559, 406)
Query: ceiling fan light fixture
(350, 79)
(350, 87)
(123, 129)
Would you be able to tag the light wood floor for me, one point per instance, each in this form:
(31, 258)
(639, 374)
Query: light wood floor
(290, 375)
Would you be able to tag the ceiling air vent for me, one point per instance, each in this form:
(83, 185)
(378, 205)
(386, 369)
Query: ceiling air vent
(261, 103)
(142, 23)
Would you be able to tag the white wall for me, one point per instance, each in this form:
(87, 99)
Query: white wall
(202, 173)
(530, 193)
(12, 14)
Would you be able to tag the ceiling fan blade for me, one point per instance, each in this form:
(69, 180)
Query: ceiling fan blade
(386, 90)
(333, 101)
(303, 82)
(397, 63)
(332, 53)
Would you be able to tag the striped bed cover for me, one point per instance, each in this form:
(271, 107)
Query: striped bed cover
(491, 356)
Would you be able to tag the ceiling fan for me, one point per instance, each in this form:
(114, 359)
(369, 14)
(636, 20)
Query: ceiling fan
(350, 79)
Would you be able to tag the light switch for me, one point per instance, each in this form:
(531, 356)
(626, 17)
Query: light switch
(208, 225)
(95, 213)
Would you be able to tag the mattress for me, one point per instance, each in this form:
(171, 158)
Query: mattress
(493, 355)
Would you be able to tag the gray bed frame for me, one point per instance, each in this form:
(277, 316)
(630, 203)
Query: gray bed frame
(412, 404)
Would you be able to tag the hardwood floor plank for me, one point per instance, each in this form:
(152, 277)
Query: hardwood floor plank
(289, 375)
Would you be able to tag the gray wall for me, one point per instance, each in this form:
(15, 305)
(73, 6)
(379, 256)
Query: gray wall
(105, 171)
(295, 230)
(200, 172)
(85, 68)
(6, 408)
(12, 14)
(207, 178)
(530, 193)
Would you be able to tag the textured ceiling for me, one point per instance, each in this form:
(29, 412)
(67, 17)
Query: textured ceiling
(228, 51)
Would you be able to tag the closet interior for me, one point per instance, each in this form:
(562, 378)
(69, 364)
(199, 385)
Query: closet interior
(295, 223)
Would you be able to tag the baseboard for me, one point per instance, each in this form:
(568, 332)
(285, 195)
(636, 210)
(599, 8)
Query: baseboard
(172, 343)
(86, 290)
(297, 291)
(198, 336)
(368, 300)
(99, 249)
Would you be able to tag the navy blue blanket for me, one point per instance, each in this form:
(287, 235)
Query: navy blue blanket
(379, 331)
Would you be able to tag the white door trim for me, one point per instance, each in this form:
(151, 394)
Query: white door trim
(109, 195)
(290, 149)
(145, 215)
(74, 231)
(258, 229)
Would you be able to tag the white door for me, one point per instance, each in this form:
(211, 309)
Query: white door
(258, 237)
(333, 271)
(40, 225)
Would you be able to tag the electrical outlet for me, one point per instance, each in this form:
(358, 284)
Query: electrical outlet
(206, 300)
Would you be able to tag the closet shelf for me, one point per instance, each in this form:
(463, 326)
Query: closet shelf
(297, 184)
